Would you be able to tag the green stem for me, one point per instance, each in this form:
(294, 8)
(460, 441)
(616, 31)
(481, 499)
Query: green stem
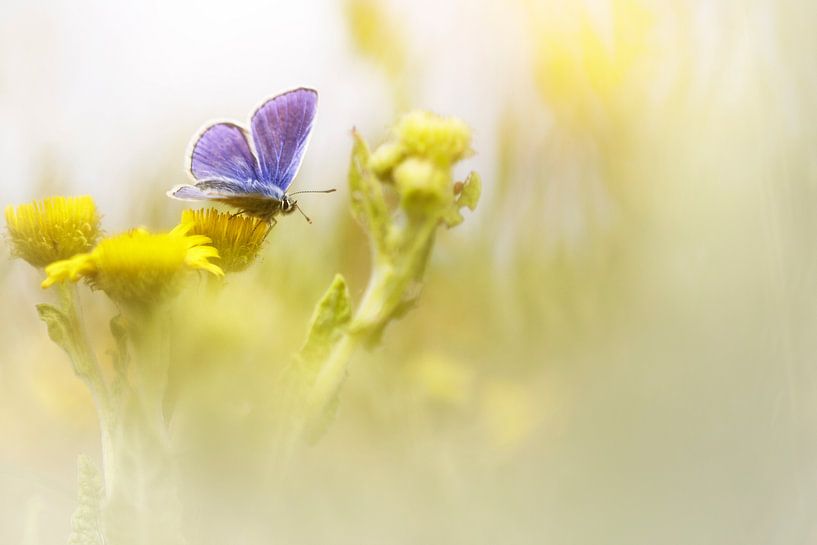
(391, 277)
(330, 378)
(150, 372)
(143, 506)
(84, 359)
(88, 370)
(333, 370)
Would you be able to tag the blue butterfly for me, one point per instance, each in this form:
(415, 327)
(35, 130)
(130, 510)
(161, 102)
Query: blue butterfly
(225, 168)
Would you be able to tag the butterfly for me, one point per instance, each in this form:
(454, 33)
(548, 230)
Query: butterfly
(254, 178)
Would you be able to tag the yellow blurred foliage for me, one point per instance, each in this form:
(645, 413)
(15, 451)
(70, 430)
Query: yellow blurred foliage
(508, 413)
(442, 379)
(584, 68)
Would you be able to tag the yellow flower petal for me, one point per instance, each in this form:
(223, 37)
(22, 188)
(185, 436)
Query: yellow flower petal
(68, 269)
(238, 239)
(138, 267)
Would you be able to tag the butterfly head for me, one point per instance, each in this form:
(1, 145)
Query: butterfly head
(288, 205)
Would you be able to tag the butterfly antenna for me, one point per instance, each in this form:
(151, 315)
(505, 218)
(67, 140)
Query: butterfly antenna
(302, 213)
(314, 191)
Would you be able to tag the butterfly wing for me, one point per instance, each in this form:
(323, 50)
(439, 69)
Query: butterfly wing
(188, 193)
(280, 131)
(222, 154)
(255, 204)
(214, 190)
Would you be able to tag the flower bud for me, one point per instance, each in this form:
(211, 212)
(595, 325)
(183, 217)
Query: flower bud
(424, 188)
(385, 158)
(442, 140)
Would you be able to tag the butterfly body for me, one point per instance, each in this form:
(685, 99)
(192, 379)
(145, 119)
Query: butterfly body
(226, 168)
(265, 208)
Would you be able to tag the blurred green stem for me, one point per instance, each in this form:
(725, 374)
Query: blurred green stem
(88, 370)
(332, 369)
(385, 292)
(82, 356)
(329, 380)
(416, 165)
(143, 506)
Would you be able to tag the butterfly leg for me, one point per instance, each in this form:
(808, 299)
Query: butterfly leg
(269, 224)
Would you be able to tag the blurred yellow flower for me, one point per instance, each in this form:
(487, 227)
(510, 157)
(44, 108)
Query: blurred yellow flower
(439, 140)
(443, 140)
(581, 67)
(138, 267)
(443, 380)
(385, 158)
(422, 186)
(508, 413)
(52, 229)
(376, 35)
(238, 239)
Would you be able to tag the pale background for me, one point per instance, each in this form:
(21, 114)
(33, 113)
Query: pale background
(634, 298)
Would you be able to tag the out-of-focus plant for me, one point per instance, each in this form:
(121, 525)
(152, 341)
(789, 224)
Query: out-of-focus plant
(593, 77)
(141, 272)
(52, 230)
(585, 74)
(402, 193)
(573, 164)
(378, 37)
(415, 165)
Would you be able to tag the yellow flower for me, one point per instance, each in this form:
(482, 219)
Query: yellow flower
(138, 267)
(443, 140)
(52, 229)
(238, 239)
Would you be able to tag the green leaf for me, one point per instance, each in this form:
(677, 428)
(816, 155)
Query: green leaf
(59, 327)
(471, 191)
(329, 321)
(368, 204)
(86, 528)
(468, 197)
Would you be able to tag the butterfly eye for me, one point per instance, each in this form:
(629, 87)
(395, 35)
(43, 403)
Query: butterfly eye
(286, 205)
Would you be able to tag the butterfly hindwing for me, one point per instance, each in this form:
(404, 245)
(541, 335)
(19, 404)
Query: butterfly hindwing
(280, 131)
(212, 190)
(188, 193)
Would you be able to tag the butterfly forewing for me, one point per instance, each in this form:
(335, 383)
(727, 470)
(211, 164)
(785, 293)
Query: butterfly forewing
(280, 131)
(223, 154)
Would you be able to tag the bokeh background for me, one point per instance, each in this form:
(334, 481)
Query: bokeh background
(618, 346)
